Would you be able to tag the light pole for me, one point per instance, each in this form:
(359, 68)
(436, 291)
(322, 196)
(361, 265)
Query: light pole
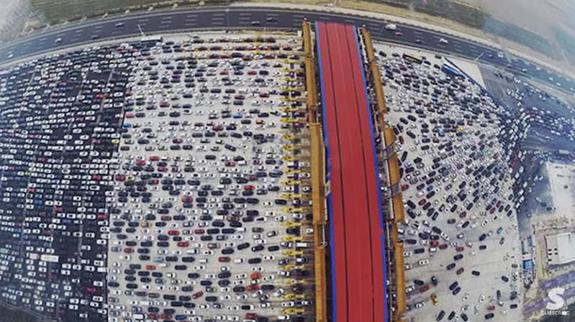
(480, 55)
(141, 31)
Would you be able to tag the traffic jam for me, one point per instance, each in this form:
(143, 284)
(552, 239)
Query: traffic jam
(211, 218)
(158, 180)
(460, 240)
(58, 135)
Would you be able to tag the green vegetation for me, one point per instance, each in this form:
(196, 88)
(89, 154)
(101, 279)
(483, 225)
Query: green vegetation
(452, 10)
(395, 3)
(58, 11)
(520, 36)
(567, 43)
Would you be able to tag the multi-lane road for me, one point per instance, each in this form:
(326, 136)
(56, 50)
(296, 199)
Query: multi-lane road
(248, 17)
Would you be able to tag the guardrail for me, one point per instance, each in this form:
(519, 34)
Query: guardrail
(317, 179)
(388, 153)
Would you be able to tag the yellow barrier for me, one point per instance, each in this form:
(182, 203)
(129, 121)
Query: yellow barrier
(317, 179)
(309, 73)
(375, 73)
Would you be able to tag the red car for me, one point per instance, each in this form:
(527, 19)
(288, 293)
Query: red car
(459, 271)
(187, 199)
(197, 295)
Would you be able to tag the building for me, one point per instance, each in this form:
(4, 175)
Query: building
(560, 248)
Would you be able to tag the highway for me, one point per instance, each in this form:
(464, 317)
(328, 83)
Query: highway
(270, 18)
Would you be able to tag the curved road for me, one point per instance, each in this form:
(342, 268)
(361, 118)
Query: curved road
(238, 17)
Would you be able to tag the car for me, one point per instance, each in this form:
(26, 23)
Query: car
(440, 316)
(456, 290)
(453, 285)
(391, 26)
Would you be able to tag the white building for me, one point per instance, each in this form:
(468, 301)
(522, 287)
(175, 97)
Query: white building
(560, 248)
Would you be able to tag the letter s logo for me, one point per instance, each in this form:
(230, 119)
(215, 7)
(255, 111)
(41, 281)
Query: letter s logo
(557, 301)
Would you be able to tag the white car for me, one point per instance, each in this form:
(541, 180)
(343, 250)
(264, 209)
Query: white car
(391, 26)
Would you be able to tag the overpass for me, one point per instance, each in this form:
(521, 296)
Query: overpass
(357, 238)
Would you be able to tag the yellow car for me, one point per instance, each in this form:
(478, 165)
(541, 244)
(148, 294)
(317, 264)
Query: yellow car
(296, 210)
(290, 182)
(292, 224)
(287, 268)
(293, 253)
(434, 299)
(292, 238)
(292, 296)
(293, 311)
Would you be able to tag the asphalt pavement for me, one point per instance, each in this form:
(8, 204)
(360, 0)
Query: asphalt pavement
(247, 17)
